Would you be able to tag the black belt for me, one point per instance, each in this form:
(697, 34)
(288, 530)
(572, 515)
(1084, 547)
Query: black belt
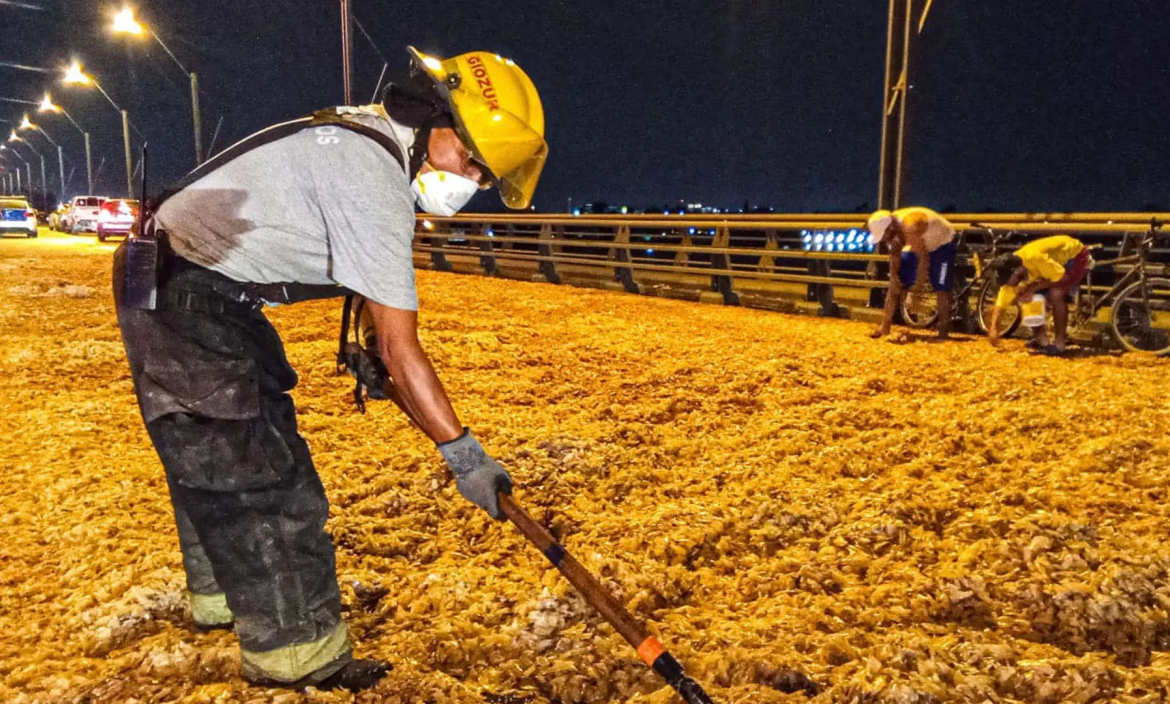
(217, 294)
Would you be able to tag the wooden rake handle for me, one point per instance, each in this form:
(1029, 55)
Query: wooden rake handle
(649, 649)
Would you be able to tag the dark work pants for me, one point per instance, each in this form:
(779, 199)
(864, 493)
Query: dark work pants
(212, 379)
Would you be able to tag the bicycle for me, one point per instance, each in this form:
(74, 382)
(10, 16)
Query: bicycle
(920, 310)
(1139, 316)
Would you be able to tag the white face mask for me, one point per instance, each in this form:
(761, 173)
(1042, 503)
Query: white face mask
(442, 192)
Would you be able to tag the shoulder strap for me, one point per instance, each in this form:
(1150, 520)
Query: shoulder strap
(335, 116)
(327, 116)
(245, 145)
(346, 311)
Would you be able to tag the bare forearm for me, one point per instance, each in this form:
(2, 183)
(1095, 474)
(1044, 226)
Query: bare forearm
(421, 395)
(922, 276)
(893, 296)
(1032, 289)
(414, 386)
(894, 292)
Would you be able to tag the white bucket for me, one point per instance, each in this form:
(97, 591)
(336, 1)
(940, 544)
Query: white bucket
(1034, 311)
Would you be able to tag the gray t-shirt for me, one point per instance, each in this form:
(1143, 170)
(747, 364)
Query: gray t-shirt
(322, 206)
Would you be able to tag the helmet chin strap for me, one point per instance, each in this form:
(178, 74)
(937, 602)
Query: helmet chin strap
(416, 103)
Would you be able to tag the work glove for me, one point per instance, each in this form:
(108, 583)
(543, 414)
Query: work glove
(479, 478)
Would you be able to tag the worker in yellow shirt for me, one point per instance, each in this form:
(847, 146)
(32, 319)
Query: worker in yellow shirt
(1053, 265)
(922, 248)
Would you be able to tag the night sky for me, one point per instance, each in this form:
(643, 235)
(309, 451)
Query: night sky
(1016, 105)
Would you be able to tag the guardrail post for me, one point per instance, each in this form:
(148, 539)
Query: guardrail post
(623, 274)
(721, 283)
(683, 257)
(548, 267)
(487, 262)
(438, 259)
(772, 244)
(822, 293)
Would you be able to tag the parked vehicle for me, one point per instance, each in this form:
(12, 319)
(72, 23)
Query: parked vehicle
(116, 218)
(16, 215)
(55, 217)
(82, 214)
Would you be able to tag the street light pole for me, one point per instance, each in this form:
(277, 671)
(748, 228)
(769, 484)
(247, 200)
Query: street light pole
(7, 175)
(129, 161)
(889, 92)
(903, 108)
(46, 105)
(896, 95)
(346, 49)
(195, 116)
(88, 166)
(27, 124)
(74, 75)
(125, 23)
(125, 138)
(27, 168)
(15, 138)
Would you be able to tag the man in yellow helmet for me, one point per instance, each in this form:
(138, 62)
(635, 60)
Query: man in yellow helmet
(318, 207)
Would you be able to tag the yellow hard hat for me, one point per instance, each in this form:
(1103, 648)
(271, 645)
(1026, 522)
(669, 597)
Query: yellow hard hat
(498, 115)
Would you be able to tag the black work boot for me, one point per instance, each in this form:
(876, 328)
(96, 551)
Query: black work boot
(354, 675)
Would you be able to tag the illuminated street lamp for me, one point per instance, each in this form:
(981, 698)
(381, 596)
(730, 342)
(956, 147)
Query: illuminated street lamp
(27, 124)
(74, 75)
(47, 105)
(125, 23)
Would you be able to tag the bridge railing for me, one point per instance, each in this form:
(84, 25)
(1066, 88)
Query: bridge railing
(774, 261)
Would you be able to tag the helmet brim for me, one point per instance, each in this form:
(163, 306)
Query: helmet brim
(429, 65)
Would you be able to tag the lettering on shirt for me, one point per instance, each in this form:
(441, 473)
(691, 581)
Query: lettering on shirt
(486, 89)
(327, 134)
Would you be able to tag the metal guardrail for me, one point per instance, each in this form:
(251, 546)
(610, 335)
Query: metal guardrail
(754, 260)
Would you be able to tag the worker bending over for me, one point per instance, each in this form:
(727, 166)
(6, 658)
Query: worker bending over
(922, 248)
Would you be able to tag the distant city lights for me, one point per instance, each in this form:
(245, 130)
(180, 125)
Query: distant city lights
(837, 241)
